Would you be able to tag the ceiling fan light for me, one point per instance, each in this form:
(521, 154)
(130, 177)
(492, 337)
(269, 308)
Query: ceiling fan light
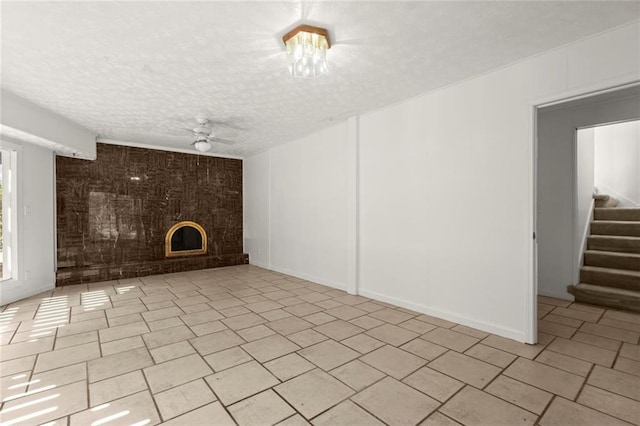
(202, 145)
(307, 51)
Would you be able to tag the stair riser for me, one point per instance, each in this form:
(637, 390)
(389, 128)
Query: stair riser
(606, 279)
(613, 244)
(617, 214)
(615, 262)
(629, 229)
(611, 202)
(603, 299)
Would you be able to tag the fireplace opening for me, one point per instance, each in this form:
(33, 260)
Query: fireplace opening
(185, 239)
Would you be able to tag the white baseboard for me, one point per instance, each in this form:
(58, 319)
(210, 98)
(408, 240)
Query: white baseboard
(509, 333)
(258, 264)
(308, 277)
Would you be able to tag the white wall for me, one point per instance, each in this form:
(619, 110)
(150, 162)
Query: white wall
(35, 220)
(445, 183)
(617, 166)
(585, 141)
(296, 207)
(559, 229)
(444, 205)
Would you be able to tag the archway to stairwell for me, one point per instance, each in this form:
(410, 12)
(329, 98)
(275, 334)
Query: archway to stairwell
(558, 211)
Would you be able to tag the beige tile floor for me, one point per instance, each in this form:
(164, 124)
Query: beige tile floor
(243, 345)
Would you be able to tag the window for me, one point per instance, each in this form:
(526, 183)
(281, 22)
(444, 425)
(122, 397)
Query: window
(7, 213)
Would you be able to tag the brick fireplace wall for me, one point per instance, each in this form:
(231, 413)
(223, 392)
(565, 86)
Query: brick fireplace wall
(113, 213)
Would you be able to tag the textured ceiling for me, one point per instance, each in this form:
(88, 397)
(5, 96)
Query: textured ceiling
(140, 72)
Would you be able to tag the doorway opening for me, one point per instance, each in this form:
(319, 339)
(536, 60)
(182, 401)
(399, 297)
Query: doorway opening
(565, 185)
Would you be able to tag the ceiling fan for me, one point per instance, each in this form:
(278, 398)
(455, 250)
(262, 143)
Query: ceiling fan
(204, 136)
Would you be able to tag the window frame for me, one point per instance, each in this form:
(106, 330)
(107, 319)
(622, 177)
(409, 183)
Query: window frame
(10, 197)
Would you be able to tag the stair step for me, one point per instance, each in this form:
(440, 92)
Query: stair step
(617, 213)
(615, 227)
(607, 277)
(614, 243)
(612, 259)
(605, 296)
(604, 200)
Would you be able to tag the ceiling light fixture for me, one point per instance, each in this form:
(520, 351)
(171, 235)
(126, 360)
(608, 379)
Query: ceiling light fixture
(307, 51)
(201, 144)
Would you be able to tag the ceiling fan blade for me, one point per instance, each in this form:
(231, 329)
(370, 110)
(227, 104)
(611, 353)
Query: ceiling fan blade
(196, 131)
(220, 140)
(231, 123)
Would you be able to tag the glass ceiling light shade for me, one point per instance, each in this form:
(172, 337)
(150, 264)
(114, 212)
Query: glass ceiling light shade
(202, 145)
(307, 51)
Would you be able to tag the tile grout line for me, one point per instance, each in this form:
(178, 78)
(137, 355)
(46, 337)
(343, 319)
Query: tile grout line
(546, 408)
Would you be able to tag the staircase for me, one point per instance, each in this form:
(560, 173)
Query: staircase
(611, 272)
